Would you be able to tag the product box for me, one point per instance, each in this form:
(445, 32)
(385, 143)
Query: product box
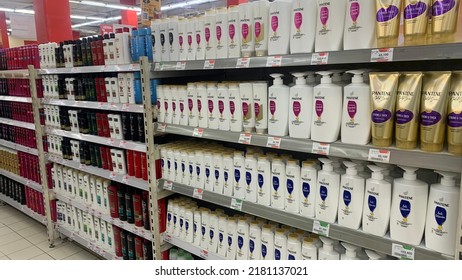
(150, 9)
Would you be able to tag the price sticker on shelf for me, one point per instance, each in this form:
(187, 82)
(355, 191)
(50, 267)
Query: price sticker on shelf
(110, 142)
(132, 67)
(236, 204)
(274, 61)
(112, 175)
(320, 148)
(403, 252)
(319, 58)
(158, 66)
(161, 127)
(167, 238)
(245, 138)
(72, 236)
(125, 179)
(379, 155)
(204, 254)
(243, 62)
(209, 64)
(274, 142)
(198, 193)
(135, 230)
(382, 55)
(180, 65)
(122, 144)
(81, 166)
(99, 214)
(198, 132)
(321, 228)
(168, 185)
(125, 107)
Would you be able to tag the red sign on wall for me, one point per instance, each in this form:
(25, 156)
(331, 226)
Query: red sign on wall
(106, 28)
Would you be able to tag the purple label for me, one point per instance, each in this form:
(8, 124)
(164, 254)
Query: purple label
(442, 7)
(264, 250)
(225, 175)
(218, 30)
(455, 120)
(352, 109)
(174, 220)
(324, 15)
(274, 23)
(245, 30)
(319, 107)
(230, 241)
(198, 170)
(260, 180)
(272, 107)
(199, 105)
(248, 178)
(372, 203)
(405, 208)
(290, 186)
(174, 106)
(323, 192)
(207, 34)
(166, 105)
(275, 183)
(257, 108)
(381, 116)
(298, 20)
(180, 40)
(240, 242)
(354, 11)
(186, 225)
(207, 172)
(203, 230)
(427, 119)
(306, 189)
(387, 14)
(183, 167)
(237, 175)
(245, 109)
(217, 174)
(231, 31)
(211, 233)
(220, 237)
(414, 10)
(251, 246)
(169, 217)
(181, 107)
(232, 107)
(257, 29)
(277, 254)
(221, 106)
(190, 104)
(181, 222)
(296, 108)
(347, 197)
(440, 215)
(210, 106)
(198, 38)
(403, 116)
(158, 104)
(291, 257)
(191, 169)
(190, 40)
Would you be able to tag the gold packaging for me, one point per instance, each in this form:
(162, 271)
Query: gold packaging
(416, 21)
(383, 100)
(407, 110)
(433, 108)
(387, 21)
(444, 20)
(455, 114)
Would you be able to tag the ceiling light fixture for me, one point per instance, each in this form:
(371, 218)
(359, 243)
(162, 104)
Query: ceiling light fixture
(185, 4)
(96, 22)
(86, 18)
(106, 5)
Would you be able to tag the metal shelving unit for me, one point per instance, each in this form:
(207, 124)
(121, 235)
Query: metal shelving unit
(118, 107)
(17, 123)
(16, 99)
(28, 183)
(14, 74)
(91, 69)
(18, 147)
(23, 208)
(116, 143)
(195, 250)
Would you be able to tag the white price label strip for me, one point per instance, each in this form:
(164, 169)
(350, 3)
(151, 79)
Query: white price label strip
(125, 179)
(204, 254)
(274, 142)
(379, 155)
(320, 148)
(181, 65)
(321, 228)
(209, 64)
(403, 252)
(198, 132)
(243, 62)
(245, 138)
(382, 55)
(158, 66)
(274, 61)
(319, 58)
(161, 127)
(236, 204)
(168, 185)
(198, 193)
(167, 237)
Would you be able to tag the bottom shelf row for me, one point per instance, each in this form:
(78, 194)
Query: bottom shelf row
(24, 208)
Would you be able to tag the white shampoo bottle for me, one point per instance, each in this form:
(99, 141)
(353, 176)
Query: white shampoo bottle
(359, 32)
(329, 26)
(327, 192)
(301, 104)
(351, 197)
(279, 27)
(278, 107)
(303, 28)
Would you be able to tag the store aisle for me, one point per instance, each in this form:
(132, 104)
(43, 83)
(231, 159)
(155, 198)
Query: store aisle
(22, 238)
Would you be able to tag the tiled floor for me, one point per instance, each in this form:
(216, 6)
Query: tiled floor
(22, 238)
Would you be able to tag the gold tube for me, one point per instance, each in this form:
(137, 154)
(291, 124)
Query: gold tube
(455, 114)
(444, 20)
(433, 108)
(387, 21)
(383, 92)
(416, 13)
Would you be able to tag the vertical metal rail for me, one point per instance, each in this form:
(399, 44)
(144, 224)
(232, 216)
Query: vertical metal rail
(150, 154)
(458, 255)
(39, 133)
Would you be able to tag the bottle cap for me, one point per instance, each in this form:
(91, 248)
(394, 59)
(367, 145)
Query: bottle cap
(409, 172)
(376, 171)
(358, 76)
(325, 79)
(326, 164)
(448, 178)
(351, 168)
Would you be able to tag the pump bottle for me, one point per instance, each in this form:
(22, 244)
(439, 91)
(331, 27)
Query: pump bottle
(327, 251)
(351, 197)
(350, 253)
(278, 115)
(327, 192)
(301, 102)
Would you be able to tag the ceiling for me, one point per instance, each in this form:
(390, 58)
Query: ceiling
(105, 12)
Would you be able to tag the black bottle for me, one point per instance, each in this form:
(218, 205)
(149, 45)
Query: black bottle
(142, 137)
(131, 246)
(99, 161)
(145, 210)
(147, 249)
(88, 52)
(93, 148)
(129, 206)
(121, 202)
(134, 127)
(126, 129)
(124, 241)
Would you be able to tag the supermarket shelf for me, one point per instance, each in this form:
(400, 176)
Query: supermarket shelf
(86, 243)
(417, 158)
(119, 107)
(400, 54)
(18, 123)
(14, 74)
(193, 249)
(16, 99)
(28, 183)
(18, 147)
(124, 179)
(357, 237)
(140, 231)
(23, 208)
(116, 143)
(91, 69)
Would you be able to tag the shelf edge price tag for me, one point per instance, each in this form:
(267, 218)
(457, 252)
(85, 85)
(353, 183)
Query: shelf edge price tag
(320, 148)
(319, 58)
(161, 127)
(403, 252)
(274, 142)
(198, 193)
(204, 254)
(198, 132)
(236, 204)
(379, 155)
(321, 228)
(245, 138)
(382, 55)
(243, 62)
(168, 185)
(180, 65)
(167, 238)
(125, 179)
(209, 64)
(274, 61)
(112, 175)
(158, 66)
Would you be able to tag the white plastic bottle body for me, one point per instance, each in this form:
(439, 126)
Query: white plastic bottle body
(168, 116)
(292, 191)
(191, 39)
(173, 39)
(279, 27)
(301, 104)
(232, 239)
(309, 250)
(327, 116)
(204, 231)
(157, 50)
(210, 35)
(212, 106)
(260, 103)
(197, 227)
(228, 175)
(280, 245)
(329, 26)
(308, 181)
(246, 28)
(251, 179)
(223, 107)
(239, 176)
(350, 201)
(183, 105)
(359, 32)
(294, 248)
(260, 17)
(233, 32)
(182, 38)
(202, 108)
(248, 114)
(267, 243)
(192, 106)
(175, 105)
(221, 31)
(208, 165)
(254, 241)
(213, 233)
(242, 251)
(218, 173)
(356, 120)
(376, 209)
(200, 38)
(165, 46)
(278, 177)
(222, 235)
(303, 28)
(327, 193)
(235, 108)
(278, 115)
(200, 170)
(264, 181)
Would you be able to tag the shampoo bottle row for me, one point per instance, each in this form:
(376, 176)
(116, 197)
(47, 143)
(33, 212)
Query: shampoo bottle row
(22, 194)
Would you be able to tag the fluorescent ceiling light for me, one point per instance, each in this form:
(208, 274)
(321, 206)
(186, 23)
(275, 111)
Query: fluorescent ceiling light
(96, 22)
(185, 4)
(84, 17)
(7, 10)
(8, 21)
(106, 5)
(93, 3)
(24, 11)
